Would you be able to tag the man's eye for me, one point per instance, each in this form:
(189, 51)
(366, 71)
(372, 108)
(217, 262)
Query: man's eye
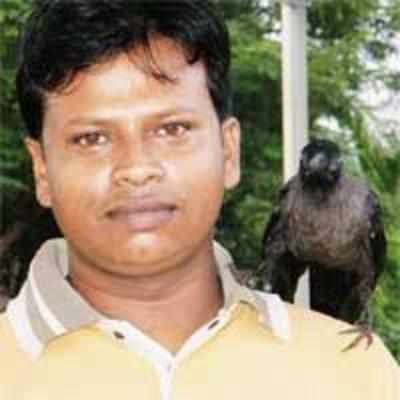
(91, 139)
(174, 130)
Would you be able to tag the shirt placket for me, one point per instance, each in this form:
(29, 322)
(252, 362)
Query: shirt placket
(164, 362)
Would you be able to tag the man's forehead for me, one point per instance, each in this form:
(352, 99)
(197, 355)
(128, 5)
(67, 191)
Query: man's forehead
(122, 88)
(163, 63)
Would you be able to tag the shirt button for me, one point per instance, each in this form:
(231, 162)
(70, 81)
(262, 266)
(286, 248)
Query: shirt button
(213, 324)
(118, 335)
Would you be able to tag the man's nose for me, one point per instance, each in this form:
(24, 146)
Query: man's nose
(136, 166)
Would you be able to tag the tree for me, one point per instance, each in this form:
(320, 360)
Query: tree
(23, 224)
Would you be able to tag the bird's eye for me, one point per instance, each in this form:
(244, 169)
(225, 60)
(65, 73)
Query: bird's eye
(173, 130)
(90, 139)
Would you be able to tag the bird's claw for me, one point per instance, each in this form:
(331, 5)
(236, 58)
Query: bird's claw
(364, 332)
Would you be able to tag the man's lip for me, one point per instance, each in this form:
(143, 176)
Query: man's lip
(139, 206)
(142, 214)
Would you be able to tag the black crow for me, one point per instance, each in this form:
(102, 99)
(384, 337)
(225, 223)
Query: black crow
(331, 224)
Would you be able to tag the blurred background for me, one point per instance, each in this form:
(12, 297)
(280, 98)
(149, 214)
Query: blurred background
(354, 98)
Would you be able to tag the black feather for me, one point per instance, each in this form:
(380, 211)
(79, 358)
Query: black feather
(331, 224)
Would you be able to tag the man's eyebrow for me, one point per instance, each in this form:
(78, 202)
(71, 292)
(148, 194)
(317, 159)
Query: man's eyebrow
(106, 119)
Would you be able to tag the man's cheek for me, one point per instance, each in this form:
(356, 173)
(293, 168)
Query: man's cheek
(72, 176)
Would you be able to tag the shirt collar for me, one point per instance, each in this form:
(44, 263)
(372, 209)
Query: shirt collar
(48, 306)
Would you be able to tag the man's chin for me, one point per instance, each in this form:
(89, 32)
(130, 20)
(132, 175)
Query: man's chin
(143, 254)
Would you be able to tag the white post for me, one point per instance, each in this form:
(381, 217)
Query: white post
(295, 101)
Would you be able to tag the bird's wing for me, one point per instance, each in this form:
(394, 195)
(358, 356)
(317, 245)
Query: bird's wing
(377, 238)
(278, 216)
(281, 269)
(273, 222)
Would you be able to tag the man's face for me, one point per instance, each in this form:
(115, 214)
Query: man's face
(134, 168)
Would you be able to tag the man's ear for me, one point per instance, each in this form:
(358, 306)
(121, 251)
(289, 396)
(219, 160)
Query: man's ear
(231, 143)
(36, 151)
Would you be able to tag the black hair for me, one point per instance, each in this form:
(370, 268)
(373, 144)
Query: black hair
(64, 37)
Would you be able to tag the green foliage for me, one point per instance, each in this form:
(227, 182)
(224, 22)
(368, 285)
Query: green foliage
(386, 306)
(349, 42)
(256, 80)
(380, 166)
(13, 161)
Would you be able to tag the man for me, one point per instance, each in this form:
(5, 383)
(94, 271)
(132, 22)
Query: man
(133, 143)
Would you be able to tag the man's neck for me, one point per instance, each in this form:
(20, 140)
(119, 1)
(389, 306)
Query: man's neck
(168, 307)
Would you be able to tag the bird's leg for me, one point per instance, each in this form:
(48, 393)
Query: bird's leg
(362, 292)
(363, 323)
(362, 328)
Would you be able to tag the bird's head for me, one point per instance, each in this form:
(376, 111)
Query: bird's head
(320, 165)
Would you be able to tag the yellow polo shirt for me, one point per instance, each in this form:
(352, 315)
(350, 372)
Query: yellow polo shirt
(257, 347)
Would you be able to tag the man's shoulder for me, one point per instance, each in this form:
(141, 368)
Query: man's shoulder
(11, 353)
(313, 354)
(304, 326)
(14, 362)
(312, 326)
(324, 340)
(328, 339)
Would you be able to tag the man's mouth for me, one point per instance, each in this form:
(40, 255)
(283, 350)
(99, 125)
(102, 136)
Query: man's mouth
(141, 215)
